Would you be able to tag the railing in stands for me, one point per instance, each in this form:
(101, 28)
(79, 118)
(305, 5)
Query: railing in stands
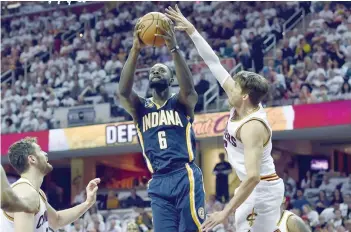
(213, 93)
(270, 42)
(239, 67)
(210, 95)
(7, 76)
(288, 25)
(294, 20)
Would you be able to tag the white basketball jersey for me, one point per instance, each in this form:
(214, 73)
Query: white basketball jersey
(282, 224)
(40, 219)
(235, 148)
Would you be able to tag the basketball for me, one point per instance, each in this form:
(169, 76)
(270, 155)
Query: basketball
(148, 28)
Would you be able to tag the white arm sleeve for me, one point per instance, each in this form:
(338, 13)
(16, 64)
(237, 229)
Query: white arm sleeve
(210, 57)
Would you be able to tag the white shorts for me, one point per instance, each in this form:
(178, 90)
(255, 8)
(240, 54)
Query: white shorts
(260, 212)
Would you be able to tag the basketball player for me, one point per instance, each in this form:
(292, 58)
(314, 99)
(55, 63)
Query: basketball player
(247, 140)
(289, 222)
(32, 164)
(164, 127)
(10, 202)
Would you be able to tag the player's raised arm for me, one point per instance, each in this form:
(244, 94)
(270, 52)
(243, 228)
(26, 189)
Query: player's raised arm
(187, 94)
(204, 50)
(129, 99)
(10, 202)
(59, 219)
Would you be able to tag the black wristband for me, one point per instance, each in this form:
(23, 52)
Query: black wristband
(175, 48)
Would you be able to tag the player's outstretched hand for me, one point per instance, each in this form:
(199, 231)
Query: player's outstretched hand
(137, 43)
(213, 220)
(167, 33)
(91, 189)
(182, 24)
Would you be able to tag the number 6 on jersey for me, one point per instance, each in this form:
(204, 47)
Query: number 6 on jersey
(162, 140)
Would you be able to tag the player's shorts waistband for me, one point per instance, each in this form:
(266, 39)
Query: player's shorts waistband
(180, 168)
(271, 177)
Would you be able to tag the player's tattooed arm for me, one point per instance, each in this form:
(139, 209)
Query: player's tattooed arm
(296, 224)
(128, 97)
(187, 95)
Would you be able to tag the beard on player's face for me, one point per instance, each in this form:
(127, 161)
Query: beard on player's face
(43, 164)
(159, 84)
(159, 77)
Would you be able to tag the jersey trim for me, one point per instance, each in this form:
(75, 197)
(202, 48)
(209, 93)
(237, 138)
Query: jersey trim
(286, 224)
(271, 177)
(281, 218)
(192, 197)
(18, 183)
(43, 196)
(260, 120)
(240, 119)
(157, 105)
(148, 163)
(188, 142)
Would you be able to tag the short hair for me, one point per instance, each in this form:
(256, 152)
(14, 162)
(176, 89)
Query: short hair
(252, 84)
(18, 153)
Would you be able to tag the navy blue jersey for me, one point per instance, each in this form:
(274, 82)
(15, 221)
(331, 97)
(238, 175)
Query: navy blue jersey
(165, 135)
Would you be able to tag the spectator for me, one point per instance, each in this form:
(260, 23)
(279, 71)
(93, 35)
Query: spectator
(328, 213)
(134, 200)
(88, 216)
(300, 200)
(112, 200)
(29, 124)
(289, 180)
(113, 227)
(337, 197)
(305, 96)
(306, 181)
(346, 186)
(222, 170)
(287, 51)
(8, 127)
(312, 215)
(337, 221)
(202, 86)
(67, 101)
(287, 70)
(43, 125)
(96, 224)
(289, 191)
(322, 202)
(212, 204)
(277, 29)
(326, 185)
(78, 226)
(345, 92)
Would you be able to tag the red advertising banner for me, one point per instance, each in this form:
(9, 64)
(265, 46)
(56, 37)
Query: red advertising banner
(323, 114)
(8, 139)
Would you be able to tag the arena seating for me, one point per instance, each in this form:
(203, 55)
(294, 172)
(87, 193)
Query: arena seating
(67, 59)
(88, 50)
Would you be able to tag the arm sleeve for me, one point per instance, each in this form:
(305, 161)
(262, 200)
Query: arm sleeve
(210, 57)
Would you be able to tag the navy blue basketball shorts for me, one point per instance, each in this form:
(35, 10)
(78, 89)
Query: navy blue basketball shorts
(178, 200)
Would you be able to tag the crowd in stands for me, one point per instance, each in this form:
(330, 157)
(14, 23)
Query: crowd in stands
(77, 69)
(83, 67)
(321, 199)
(314, 66)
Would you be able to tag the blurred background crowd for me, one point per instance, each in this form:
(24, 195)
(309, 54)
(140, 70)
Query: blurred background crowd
(62, 56)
